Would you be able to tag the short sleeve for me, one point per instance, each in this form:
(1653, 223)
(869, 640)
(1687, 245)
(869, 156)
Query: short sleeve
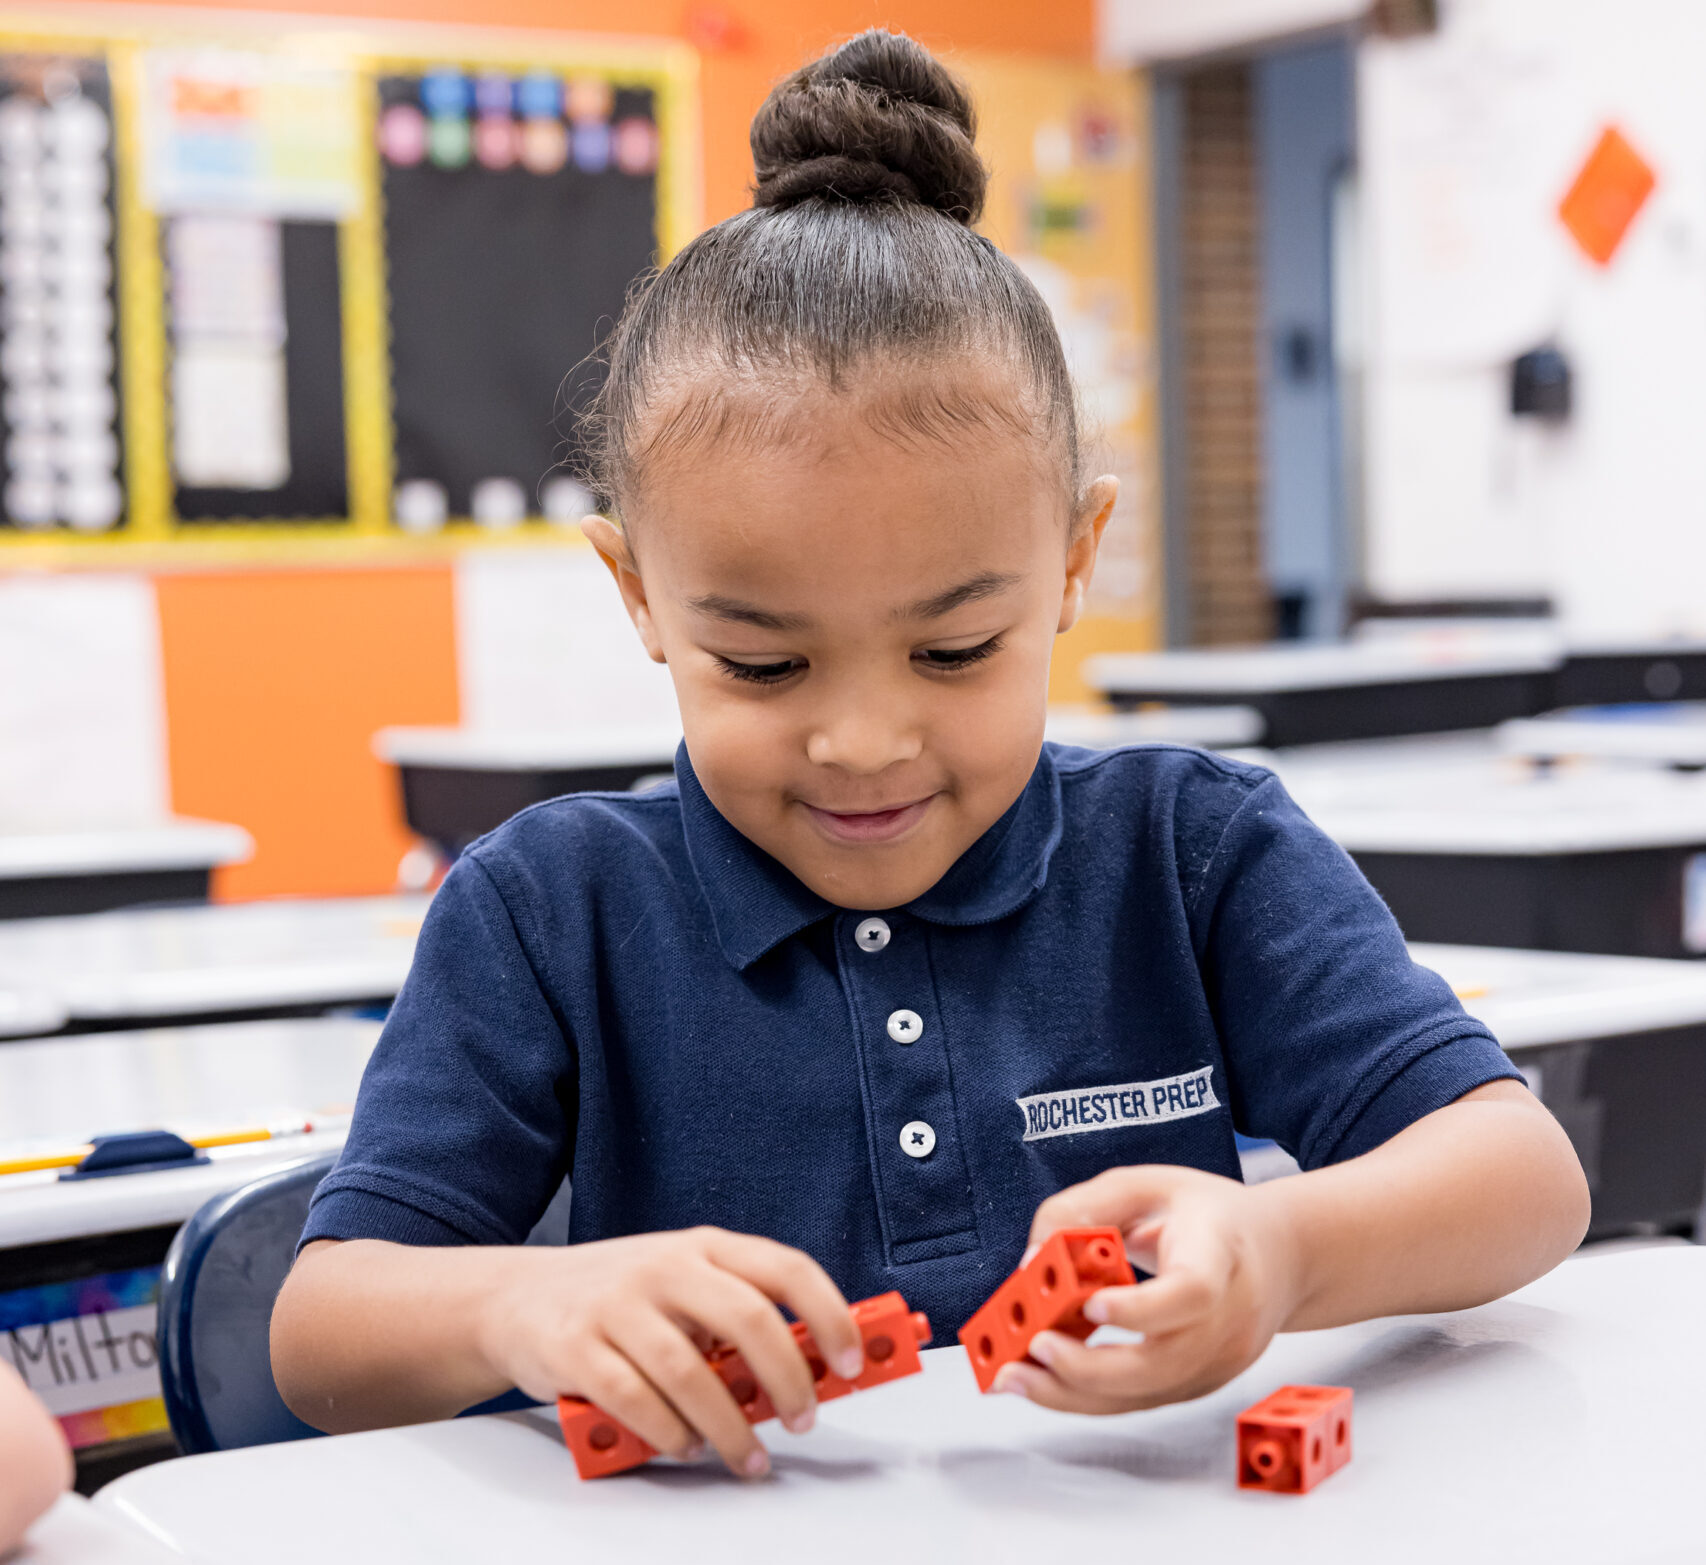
(462, 1130)
(1334, 1039)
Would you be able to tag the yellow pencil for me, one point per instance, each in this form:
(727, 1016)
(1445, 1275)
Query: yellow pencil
(70, 1157)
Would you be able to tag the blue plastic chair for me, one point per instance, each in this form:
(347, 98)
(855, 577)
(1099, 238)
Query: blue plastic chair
(217, 1289)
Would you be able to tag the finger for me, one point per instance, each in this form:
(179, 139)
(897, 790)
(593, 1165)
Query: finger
(607, 1378)
(1074, 1377)
(732, 1309)
(791, 1277)
(1118, 1198)
(660, 1351)
(1178, 1298)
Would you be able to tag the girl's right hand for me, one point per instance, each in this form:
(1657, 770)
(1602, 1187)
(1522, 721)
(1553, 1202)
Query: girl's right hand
(624, 1324)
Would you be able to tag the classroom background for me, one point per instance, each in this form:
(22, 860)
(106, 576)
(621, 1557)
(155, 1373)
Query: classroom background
(1388, 314)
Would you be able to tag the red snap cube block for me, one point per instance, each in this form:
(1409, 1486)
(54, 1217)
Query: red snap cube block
(892, 1335)
(599, 1444)
(1047, 1293)
(1290, 1441)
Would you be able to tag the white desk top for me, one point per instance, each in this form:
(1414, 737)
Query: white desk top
(529, 750)
(58, 1092)
(177, 844)
(1533, 998)
(201, 960)
(1407, 800)
(1291, 666)
(77, 1532)
(1671, 733)
(25, 1012)
(1209, 727)
(1556, 1425)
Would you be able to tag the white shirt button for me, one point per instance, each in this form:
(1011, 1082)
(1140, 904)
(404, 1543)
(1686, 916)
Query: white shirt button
(917, 1139)
(906, 1026)
(871, 935)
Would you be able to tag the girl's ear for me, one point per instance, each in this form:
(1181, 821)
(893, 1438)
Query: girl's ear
(1089, 522)
(606, 537)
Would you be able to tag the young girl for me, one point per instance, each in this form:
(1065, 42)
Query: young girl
(885, 989)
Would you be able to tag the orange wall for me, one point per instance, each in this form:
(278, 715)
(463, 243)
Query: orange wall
(275, 684)
(746, 44)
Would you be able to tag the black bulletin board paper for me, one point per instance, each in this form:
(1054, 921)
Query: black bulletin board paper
(318, 485)
(501, 283)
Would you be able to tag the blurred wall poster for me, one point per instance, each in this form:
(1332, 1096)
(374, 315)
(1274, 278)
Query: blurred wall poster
(1068, 146)
(233, 143)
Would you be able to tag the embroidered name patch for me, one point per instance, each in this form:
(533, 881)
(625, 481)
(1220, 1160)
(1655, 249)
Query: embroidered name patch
(1110, 1108)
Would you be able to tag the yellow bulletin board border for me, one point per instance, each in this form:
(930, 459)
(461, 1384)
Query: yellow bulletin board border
(152, 535)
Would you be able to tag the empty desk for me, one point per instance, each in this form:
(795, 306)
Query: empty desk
(1474, 850)
(206, 963)
(1615, 1046)
(1669, 733)
(49, 872)
(459, 783)
(1308, 694)
(81, 1258)
(1553, 1425)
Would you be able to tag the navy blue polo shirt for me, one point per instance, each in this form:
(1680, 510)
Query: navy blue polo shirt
(1152, 948)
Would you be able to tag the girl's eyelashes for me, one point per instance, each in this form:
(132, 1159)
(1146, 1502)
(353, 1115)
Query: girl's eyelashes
(960, 657)
(938, 659)
(759, 673)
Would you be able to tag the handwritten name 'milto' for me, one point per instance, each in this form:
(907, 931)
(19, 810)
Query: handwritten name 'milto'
(87, 1361)
(1114, 1108)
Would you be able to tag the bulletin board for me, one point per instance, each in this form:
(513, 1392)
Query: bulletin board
(265, 289)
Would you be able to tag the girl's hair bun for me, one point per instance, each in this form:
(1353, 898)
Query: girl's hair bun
(877, 120)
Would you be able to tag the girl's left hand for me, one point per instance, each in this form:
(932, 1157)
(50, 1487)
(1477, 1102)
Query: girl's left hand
(1224, 1280)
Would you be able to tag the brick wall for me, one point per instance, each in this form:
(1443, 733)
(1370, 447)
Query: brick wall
(1220, 282)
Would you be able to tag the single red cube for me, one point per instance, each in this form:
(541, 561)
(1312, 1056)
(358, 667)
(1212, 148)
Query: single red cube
(1290, 1441)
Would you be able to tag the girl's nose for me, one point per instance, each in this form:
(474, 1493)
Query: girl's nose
(863, 739)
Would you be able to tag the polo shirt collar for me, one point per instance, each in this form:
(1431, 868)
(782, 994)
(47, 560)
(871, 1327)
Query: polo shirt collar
(755, 903)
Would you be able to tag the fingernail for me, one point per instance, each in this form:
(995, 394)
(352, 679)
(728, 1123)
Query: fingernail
(1025, 1259)
(800, 1422)
(1042, 1348)
(758, 1464)
(1096, 1309)
(848, 1364)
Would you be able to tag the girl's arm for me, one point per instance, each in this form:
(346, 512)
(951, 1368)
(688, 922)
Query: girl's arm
(368, 1333)
(1463, 1206)
(35, 1462)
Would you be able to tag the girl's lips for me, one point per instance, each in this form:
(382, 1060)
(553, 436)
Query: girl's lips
(866, 826)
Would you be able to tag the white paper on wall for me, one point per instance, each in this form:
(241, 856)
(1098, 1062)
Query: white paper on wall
(229, 426)
(82, 714)
(544, 643)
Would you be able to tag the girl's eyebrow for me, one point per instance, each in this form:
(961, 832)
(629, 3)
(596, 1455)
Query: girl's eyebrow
(986, 584)
(735, 612)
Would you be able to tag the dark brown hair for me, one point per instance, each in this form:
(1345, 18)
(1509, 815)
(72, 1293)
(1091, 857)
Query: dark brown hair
(857, 248)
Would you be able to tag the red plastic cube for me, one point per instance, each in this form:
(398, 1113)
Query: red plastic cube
(1047, 1293)
(892, 1335)
(1290, 1441)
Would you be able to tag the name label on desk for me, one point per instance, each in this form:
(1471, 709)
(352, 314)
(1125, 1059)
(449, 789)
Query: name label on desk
(87, 1361)
(1080, 1110)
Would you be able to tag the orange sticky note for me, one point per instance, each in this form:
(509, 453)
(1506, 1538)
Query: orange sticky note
(1611, 188)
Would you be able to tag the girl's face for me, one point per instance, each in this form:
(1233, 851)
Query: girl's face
(859, 632)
